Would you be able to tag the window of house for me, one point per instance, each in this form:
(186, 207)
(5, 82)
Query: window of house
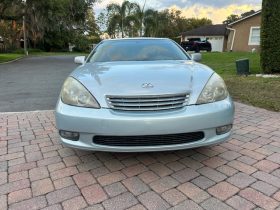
(255, 35)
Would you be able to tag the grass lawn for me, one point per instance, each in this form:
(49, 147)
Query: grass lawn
(252, 90)
(9, 57)
(57, 53)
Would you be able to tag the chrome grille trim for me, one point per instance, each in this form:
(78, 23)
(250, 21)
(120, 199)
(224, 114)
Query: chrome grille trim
(148, 102)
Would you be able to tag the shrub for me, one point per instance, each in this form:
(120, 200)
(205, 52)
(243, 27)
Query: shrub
(270, 37)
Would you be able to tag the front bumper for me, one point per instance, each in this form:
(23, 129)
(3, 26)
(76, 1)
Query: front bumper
(106, 122)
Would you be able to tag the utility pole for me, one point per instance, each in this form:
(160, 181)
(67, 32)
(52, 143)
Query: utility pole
(24, 30)
(142, 18)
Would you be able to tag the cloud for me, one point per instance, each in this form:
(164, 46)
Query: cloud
(216, 10)
(217, 15)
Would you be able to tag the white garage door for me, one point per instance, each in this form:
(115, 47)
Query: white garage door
(217, 43)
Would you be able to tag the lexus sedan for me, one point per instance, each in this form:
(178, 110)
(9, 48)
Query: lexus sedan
(143, 94)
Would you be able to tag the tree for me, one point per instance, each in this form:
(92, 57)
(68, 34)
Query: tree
(270, 37)
(230, 19)
(122, 16)
(52, 24)
(246, 14)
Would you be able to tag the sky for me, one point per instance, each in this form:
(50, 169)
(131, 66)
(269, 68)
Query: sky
(216, 10)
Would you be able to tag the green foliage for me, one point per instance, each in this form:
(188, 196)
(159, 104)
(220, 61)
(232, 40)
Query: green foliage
(50, 25)
(130, 20)
(270, 37)
(233, 17)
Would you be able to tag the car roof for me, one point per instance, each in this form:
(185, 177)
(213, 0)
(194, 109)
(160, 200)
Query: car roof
(135, 38)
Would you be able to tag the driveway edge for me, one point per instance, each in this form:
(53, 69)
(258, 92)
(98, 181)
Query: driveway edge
(12, 61)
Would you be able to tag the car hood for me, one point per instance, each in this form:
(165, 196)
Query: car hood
(127, 78)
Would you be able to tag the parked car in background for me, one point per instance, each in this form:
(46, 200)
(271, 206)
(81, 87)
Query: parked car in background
(144, 94)
(196, 44)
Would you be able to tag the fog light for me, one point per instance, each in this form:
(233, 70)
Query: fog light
(223, 129)
(74, 136)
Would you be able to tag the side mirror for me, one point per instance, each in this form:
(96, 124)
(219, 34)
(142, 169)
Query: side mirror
(80, 59)
(197, 57)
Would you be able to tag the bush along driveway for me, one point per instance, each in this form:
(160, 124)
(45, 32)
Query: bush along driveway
(37, 172)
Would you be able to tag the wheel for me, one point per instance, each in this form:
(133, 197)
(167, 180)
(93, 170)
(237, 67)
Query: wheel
(197, 50)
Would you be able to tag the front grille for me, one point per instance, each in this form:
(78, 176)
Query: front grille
(148, 103)
(152, 140)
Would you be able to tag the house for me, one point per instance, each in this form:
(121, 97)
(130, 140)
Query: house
(244, 34)
(217, 35)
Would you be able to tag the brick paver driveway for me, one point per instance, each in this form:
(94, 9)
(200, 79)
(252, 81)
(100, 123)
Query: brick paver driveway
(38, 172)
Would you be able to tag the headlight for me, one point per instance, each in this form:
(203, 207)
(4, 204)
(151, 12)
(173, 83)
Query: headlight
(214, 90)
(75, 94)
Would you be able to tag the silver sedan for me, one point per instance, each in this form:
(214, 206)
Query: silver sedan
(144, 94)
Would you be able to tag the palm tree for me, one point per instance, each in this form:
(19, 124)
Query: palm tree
(150, 21)
(122, 16)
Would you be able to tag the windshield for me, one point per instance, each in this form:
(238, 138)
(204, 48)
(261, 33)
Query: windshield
(137, 50)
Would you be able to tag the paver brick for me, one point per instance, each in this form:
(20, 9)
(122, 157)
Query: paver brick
(212, 174)
(18, 176)
(241, 180)
(62, 194)
(185, 175)
(134, 170)
(14, 186)
(242, 167)
(203, 182)
(38, 173)
(135, 185)
(273, 180)
(164, 184)
(191, 163)
(33, 203)
(115, 189)
(63, 182)
(227, 170)
(230, 155)
(148, 177)
(223, 190)
(94, 194)
(239, 203)
(277, 196)
(63, 173)
(114, 165)
(101, 171)
(193, 192)
(275, 158)
(160, 169)
(215, 204)
(120, 202)
(137, 207)
(42, 187)
(265, 188)
(71, 161)
(259, 198)
(84, 179)
(53, 207)
(75, 203)
(153, 201)
(19, 195)
(111, 178)
(266, 165)
(214, 162)
(3, 202)
(173, 197)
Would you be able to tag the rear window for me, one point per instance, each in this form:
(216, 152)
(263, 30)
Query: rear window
(137, 50)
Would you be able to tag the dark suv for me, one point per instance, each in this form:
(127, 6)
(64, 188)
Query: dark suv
(195, 44)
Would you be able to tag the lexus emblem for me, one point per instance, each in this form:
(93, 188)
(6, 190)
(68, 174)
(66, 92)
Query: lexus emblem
(147, 85)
